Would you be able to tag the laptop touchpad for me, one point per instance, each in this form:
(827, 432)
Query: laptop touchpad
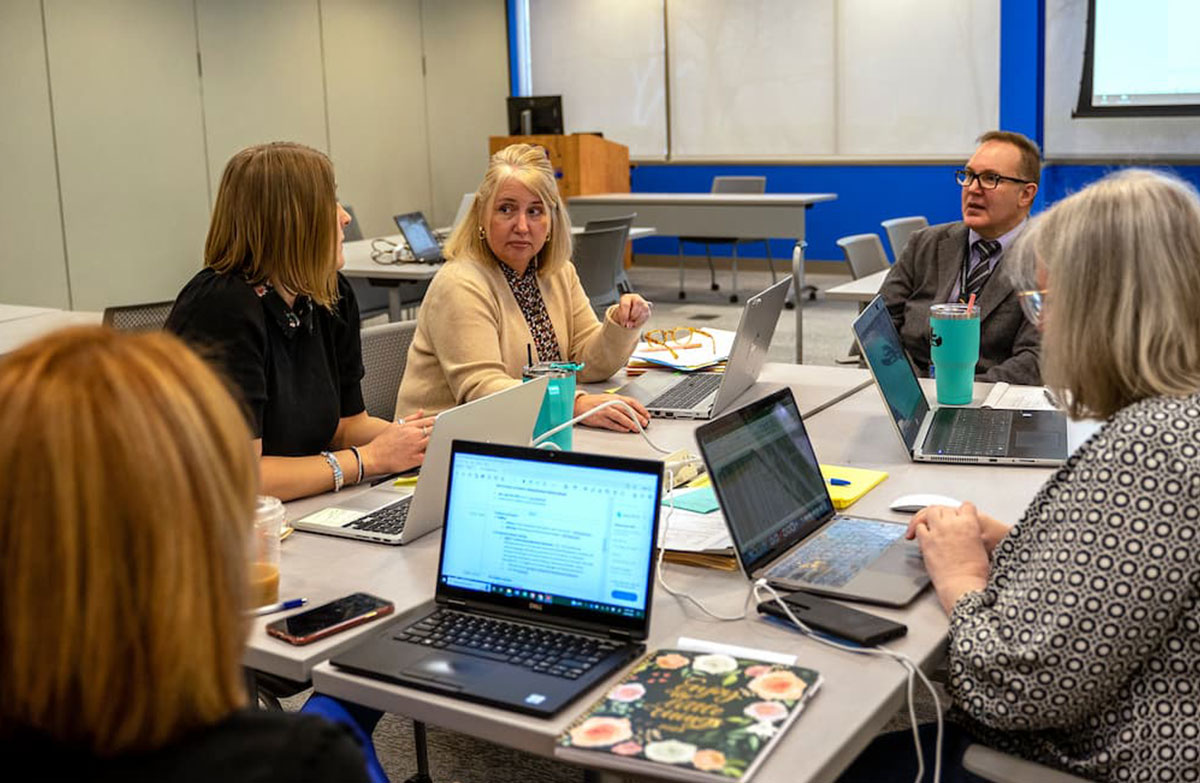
(1035, 443)
(450, 669)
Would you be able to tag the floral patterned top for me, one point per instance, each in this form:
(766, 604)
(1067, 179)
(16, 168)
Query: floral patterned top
(533, 307)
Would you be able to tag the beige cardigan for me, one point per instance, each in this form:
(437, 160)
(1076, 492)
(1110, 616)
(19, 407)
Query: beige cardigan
(471, 336)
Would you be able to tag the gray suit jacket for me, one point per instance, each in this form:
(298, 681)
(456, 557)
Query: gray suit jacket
(925, 274)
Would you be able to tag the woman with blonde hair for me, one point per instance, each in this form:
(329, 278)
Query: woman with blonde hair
(124, 514)
(510, 292)
(1074, 632)
(272, 309)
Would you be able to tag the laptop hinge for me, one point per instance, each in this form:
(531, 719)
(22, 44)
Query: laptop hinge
(620, 636)
(454, 602)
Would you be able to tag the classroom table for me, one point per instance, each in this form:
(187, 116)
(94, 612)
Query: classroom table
(747, 215)
(16, 332)
(859, 694)
(359, 263)
(321, 568)
(862, 290)
(10, 312)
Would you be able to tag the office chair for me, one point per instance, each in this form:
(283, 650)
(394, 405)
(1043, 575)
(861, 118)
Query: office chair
(733, 185)
(138, 318)
(626, 222)
(384, 356)
(599, 260)
(899, 230)
(1000, 767)
(864, 254)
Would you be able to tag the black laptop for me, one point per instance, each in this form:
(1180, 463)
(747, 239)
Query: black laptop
(419, 236)
(544, 584)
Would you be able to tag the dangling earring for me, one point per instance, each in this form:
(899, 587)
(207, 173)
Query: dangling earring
(482, 233)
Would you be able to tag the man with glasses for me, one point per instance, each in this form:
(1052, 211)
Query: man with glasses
(952, 261)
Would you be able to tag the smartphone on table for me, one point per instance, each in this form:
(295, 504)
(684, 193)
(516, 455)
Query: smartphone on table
(330, 618)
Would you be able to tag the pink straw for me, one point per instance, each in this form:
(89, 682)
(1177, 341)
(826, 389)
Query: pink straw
(970, 304)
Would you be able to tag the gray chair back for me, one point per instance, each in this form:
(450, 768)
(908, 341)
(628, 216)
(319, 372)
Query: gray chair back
(864, 253)
(1000, 767)
(625, 222)
(385, 354)
(352, 231)
(138, 318)
(899, 229)
(464, 207)
(599, 261)
(739, 185)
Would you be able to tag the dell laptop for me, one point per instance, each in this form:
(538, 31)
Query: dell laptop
(391, 515)
(781, 518)
(702, 395)
(544, 584)
(419, 236)
(981, 436)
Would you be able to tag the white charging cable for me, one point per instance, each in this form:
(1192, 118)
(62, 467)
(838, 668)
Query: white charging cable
(910, 667)
(541, 439)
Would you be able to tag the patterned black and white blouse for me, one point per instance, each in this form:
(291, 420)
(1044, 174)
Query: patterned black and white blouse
(1083, 651)
(533, 307)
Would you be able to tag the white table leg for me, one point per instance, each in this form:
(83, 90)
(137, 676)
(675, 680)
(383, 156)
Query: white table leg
(798, 291)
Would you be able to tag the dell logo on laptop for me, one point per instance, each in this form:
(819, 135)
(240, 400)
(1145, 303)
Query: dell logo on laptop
(535, 607)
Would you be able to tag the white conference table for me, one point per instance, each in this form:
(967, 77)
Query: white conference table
(862, 290)
(15, 332)
(748, 215)
(321, 568)
(859, 694)
(9, 312)
(392, 275)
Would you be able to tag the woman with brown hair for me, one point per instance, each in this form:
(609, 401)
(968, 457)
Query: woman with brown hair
(127, 500)
(271, 308)
(508, 292)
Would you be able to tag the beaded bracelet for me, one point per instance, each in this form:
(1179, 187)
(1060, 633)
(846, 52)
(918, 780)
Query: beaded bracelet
(336, 467)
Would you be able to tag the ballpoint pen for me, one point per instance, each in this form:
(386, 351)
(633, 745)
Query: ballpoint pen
(839, 482)
(282, 606)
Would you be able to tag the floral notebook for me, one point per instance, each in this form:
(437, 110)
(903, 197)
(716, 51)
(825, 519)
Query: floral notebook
(692, 716)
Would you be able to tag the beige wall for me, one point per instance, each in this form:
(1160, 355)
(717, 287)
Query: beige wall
(112, 154)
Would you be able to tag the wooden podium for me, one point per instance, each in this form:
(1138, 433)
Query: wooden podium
(583, 162)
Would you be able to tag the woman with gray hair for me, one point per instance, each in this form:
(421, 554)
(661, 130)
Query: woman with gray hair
(1074, 633)
(508, 292)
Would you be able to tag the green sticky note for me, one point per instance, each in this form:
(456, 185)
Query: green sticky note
(699, 501)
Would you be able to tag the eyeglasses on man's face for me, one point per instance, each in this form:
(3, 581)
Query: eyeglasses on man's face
(988, 180)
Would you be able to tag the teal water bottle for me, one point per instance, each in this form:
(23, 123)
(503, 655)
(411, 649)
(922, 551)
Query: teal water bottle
(558, 406)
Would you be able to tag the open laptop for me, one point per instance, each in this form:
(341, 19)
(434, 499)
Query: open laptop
(545, 580)
(702, 395)
(980, 436)
(392, 515)
(419, 236)
(781, 518)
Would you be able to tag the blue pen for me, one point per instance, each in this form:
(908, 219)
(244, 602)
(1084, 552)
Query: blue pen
(839, 482)
(282, 606)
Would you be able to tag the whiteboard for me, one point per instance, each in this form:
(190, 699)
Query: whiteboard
(606, 60)
(1127, 137)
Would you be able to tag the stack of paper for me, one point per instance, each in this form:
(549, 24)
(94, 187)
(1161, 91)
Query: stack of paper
(694, 532)
(698, 354)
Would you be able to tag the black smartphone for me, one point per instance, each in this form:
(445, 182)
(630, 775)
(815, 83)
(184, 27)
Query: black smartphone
(330, 618)
(835, 619)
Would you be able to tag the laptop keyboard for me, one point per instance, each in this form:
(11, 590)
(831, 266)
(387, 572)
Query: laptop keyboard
(687, 392)
(537, 649)
(838, 553)
(388, 520)
(979, 432)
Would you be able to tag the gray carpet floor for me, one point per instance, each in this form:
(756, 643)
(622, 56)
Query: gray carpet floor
(827, 337)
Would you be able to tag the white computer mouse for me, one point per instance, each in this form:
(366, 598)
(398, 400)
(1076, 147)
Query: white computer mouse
(911, 504)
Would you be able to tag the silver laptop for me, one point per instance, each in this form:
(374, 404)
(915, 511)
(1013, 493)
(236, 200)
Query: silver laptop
(702, 395)
(393, 515)
(981, 436)
(781, 518)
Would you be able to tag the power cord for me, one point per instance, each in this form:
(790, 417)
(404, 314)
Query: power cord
(910, 667)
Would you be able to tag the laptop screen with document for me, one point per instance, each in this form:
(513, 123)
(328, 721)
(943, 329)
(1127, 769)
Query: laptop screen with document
(568, 535)
(766, 476)
(897, 382)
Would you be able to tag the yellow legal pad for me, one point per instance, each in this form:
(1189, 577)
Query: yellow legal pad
(861, 481)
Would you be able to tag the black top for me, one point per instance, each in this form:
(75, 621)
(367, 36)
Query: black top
(298, 369)
(250, 745)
